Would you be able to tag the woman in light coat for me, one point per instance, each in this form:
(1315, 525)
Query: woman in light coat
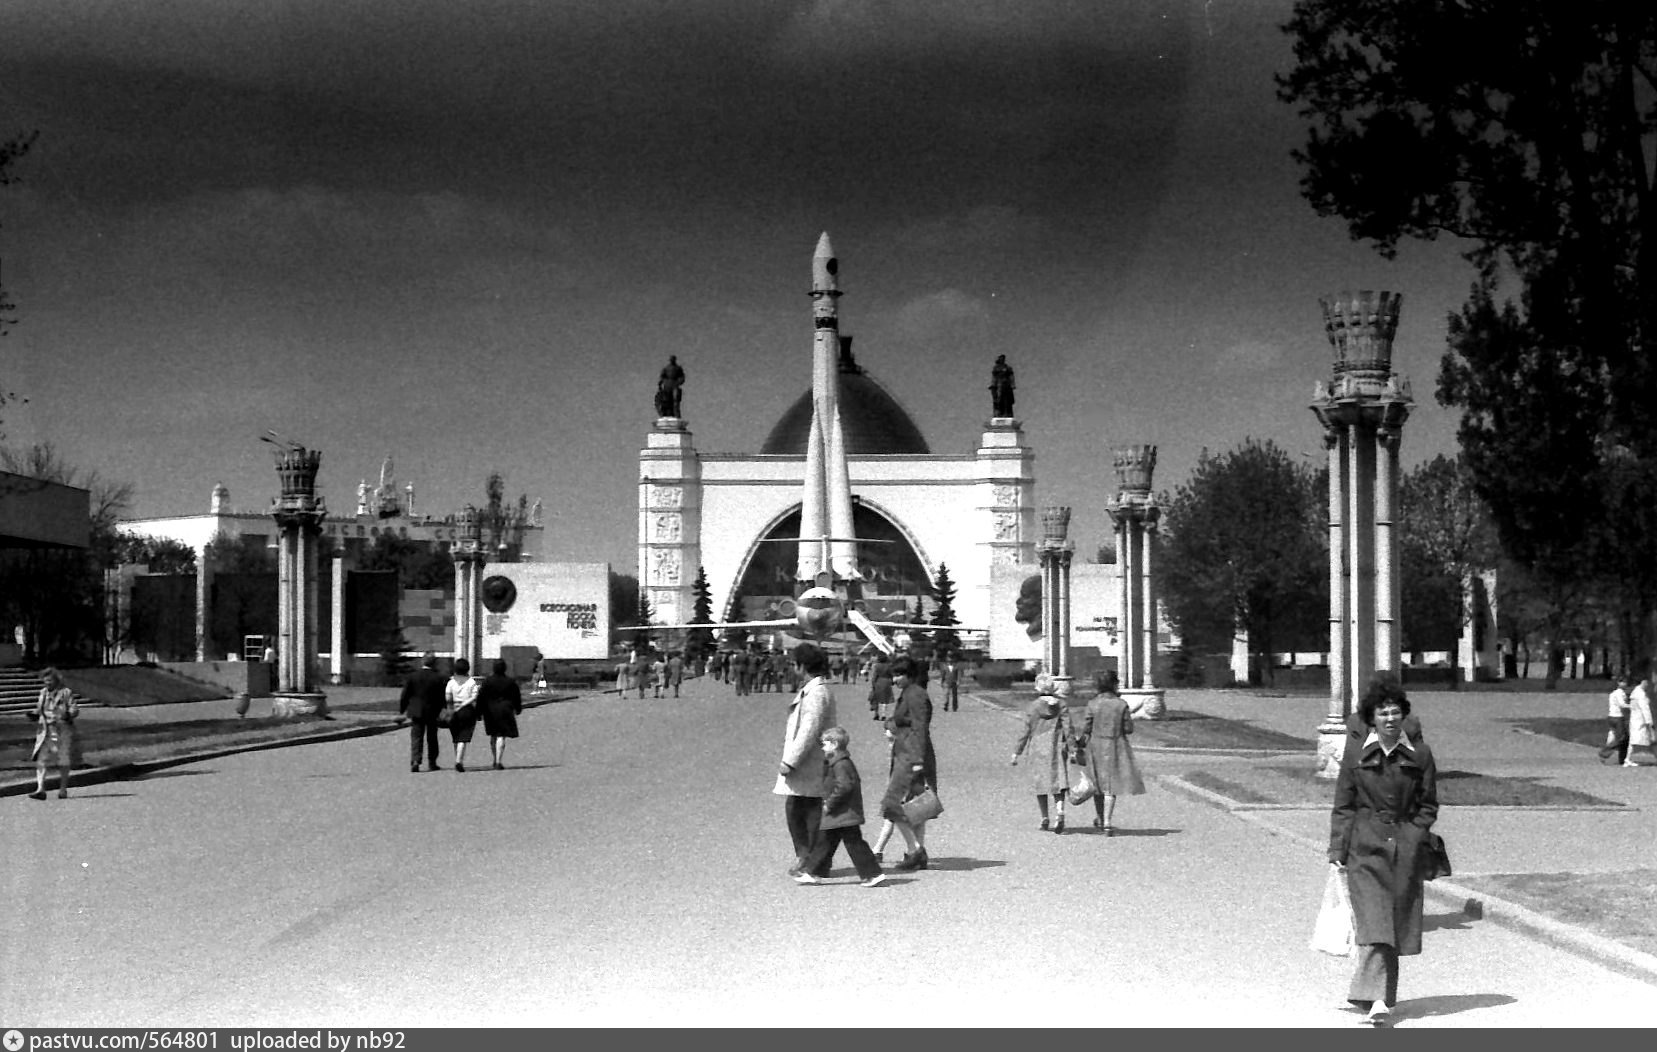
(1104, 735)
(1641, 732)
(55, 713)
(1043, 737)
(460, 694)
(800, 773)
(1386, 800)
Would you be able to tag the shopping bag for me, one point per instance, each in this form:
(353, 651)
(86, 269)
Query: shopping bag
(1082, 790)
(1332, 933)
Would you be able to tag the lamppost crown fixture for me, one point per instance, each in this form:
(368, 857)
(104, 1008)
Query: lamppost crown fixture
(1134, 465)
(1055, 525)
(297, 468)
(1361, 326)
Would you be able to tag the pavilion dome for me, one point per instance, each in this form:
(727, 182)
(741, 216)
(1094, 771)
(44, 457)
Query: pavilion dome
(871, 419)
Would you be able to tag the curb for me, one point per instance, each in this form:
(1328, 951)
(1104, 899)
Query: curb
(1473, 904)
(125, 771)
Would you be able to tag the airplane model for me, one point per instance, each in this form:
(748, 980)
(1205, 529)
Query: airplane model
(829, 583)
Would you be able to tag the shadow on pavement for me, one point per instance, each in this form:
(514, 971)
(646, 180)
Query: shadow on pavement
(1457, 921)
(964, 864)
(1124, 831)
(1450, 1004)
(149, 776)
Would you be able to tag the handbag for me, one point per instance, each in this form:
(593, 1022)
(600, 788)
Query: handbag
(922, 807)
(444, 716)
(1436, 860)
(1332, 932)
(1083, 790)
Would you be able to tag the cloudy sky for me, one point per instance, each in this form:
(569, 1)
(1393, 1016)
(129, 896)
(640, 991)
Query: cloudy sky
(469, 235)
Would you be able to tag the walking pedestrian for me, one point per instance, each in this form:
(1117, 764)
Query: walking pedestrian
(1104, 738)
(460, 695)
(842, 820)
(1042, 736)
(55, 713)
(500, 702)
(800, 773)
(675, 671)
(914, 765)
(1615, 750)
(1386, 800)
(880, 687)
(422, 702)
(1641, 732)
(952, 684)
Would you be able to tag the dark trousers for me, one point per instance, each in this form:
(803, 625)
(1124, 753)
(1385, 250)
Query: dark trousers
(1376, 976)
(1615, 749)
(953, 699)
(419, 730)
(803, 815)
(857, 849)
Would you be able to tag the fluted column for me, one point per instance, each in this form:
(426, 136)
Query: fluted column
(469, 558)
(1362, 409)
(1054, 551)
(1147, 542)
(298, 513)
(1135, 512)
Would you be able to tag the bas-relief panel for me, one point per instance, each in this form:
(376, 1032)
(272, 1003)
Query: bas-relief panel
(1006, 496)
(665, 496)
(667, 527)
(1006, 526)
(664, 567)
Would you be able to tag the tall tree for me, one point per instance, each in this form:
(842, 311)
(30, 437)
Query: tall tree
(643, 616)
(1528, 129)
(699, 641)
(1444, 523)
(944, 640)
(1246, 546)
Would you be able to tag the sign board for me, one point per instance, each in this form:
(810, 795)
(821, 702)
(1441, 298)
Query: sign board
(560, 609)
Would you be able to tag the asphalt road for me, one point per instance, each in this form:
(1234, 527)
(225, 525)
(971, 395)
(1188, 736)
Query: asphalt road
(628, 870)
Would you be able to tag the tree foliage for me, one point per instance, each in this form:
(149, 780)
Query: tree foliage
(1447, 533)
(1246, 545)
(944, 641)
(699, 641)
(425, 566)
(1528, 129)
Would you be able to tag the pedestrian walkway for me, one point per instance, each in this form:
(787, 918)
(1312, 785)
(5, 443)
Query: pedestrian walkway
(629, 868)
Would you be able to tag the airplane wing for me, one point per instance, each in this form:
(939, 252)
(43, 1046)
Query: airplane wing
(921, 626)
(789, 622)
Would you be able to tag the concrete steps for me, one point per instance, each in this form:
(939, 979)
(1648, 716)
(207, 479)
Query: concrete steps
(20, 689)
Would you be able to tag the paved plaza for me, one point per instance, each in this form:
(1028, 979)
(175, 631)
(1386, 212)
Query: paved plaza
(627, 869)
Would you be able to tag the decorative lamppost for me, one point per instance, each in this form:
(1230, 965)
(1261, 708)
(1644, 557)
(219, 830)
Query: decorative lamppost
(1362, 408)
(1055, 550)
(298, 512)
(470, 555)
(1135, 514)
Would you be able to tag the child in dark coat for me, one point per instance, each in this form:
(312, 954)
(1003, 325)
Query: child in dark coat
(842, 821)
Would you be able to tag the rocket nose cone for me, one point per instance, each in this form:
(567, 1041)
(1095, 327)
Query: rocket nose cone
(824, 249)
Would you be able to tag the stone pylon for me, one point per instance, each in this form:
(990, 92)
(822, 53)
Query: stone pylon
(298, 512)
(1055, 550)
(1135, 514)
(1362, 408)
(470, 555)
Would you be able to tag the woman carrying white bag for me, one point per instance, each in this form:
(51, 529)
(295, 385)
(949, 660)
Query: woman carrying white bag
(1386, 800)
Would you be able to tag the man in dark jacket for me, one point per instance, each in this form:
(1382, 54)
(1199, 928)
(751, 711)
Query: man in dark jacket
(421, 702)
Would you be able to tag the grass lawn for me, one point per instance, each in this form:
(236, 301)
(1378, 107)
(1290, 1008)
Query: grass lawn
(113, 744)
(1193, 730)
(1299, 785)
(1614, 905)
(1575, 731)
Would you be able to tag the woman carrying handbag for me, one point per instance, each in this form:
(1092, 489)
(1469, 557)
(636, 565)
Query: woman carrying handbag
(914, 767)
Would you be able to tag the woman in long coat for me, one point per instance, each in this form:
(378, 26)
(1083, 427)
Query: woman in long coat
(1386, 800)
(914, 765)
(500, 701)
(1104, 734)
(1043, 738)
(55, 713)
(880, 687)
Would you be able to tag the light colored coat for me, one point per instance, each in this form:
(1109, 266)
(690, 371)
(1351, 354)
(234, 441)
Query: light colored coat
(809, 715)
(1641, 732)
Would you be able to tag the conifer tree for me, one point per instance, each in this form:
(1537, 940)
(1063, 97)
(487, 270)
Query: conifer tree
(943, 613)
